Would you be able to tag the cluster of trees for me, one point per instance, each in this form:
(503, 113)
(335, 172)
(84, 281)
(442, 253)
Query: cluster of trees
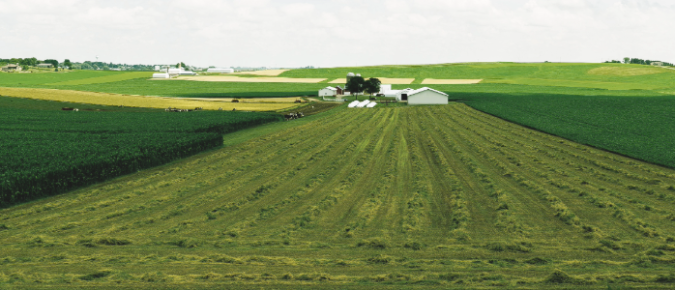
(628, 60)
(27, 63)
(357, 85)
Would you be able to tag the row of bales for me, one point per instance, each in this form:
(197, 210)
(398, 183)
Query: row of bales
(177, 110)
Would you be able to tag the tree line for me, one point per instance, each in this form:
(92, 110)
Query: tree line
(27, 63)
(628, 60)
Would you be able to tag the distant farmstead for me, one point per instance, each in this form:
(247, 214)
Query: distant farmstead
(45, 65)
(328, 92)
(11, 68)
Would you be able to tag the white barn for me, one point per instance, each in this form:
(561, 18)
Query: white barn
(402, 95)
(427, 96)
(328, 92)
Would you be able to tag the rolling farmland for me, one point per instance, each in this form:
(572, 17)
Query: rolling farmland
(585, 75)
(416, 197)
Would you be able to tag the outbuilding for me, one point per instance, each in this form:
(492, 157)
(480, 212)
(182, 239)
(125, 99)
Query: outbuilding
(384, 89)
(328, 92)
(45, 65)
(427, 96)
(340, 91)
(402, 95)
(11, 68)
(161, 76)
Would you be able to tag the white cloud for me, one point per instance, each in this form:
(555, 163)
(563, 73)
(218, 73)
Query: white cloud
(320, 33)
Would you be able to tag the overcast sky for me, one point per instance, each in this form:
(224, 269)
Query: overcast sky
(321, 33)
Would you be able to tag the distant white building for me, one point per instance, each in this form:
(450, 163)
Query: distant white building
(161, 76)
(425, 96)
(220, 70)
(328, 92)
(384, 89)
(180, 72)
(157, 68)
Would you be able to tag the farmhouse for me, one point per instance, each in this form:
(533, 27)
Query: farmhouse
(328, 92)
(45, 65)
(11, 68)
(425, 96)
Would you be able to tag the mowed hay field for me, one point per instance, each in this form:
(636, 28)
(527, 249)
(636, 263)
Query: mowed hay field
(266, 104)
(406, 197)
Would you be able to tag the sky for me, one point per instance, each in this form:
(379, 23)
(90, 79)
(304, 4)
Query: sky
(336, 33)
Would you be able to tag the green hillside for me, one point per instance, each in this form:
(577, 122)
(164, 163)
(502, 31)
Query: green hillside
(604, 76)
(388, 198)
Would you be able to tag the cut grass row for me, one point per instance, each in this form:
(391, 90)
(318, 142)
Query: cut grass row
(362, 198)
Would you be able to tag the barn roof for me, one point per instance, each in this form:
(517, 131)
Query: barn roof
(330, 88)
(425, 89)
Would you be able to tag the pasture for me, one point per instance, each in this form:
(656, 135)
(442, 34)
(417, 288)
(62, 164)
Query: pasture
(239, 79)
(268, 73)
(585, 75)
(104, 79)
(406, 197)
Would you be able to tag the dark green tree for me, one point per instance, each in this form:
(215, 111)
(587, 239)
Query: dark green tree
(355, 86)
(626, 60)
(372, 86)
(29, 61)
(67, 64)
(54, 62)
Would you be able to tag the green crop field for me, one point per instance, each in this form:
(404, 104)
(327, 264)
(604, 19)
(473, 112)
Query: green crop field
(48, 152)
(105, 79)
(639, 127)
(387, 198)
(28, 80)
(21, 103)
